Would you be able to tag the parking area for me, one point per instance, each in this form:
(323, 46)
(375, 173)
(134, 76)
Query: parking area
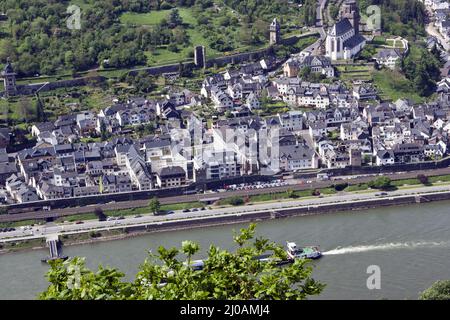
(256, 185)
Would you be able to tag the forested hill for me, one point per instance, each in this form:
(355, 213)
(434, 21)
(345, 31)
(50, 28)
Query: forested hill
(128, 33)
(36, 36)
(37, 39)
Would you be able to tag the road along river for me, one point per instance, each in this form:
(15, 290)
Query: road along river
(410, 244)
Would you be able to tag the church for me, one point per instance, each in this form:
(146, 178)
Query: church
(343, 39)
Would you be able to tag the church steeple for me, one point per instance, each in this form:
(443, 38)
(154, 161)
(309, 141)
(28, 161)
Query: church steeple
(9, 79)
(350, 11)
(275, 30)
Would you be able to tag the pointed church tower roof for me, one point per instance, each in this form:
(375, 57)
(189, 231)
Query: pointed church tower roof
(8, 68)
(275, 23)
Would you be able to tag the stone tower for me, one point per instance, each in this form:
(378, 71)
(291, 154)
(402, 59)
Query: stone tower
(200, 56)
(355, 157)
(9, 79)
(350, 11)
(275, 32)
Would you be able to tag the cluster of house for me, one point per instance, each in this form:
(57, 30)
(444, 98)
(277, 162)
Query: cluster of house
(238, 90)
(115, 119)
(336, 135)
(329, 126)
(440, 10)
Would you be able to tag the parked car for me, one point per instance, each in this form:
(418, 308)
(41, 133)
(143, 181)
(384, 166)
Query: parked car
(186, 210)
(79, 222)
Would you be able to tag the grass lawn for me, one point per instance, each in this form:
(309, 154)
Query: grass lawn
(355, 72)
(285, 195)
(445, 178)
(155, 17)
(379, 40)
(146, 210)
(18, 223)
(394, 85)
(151, 18)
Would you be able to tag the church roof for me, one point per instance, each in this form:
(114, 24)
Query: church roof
(354, 41)
(341, 27)
(275, 23)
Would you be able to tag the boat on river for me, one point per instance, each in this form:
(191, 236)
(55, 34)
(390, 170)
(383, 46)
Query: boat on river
(309, 252)
(294, 252)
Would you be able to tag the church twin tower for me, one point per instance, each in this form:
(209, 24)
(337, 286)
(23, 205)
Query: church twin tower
(350, 11)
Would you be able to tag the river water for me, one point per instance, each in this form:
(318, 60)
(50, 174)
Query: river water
(410, 244)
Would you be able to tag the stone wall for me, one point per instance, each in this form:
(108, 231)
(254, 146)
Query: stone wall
(49, 86)
(135, 195)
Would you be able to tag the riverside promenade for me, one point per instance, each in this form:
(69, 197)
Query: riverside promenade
(248, 213)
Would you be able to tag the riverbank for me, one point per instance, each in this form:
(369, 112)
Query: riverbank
(122, 232)
(404, 241)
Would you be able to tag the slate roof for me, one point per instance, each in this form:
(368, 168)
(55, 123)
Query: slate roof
(296, 152)
(341, 27)
(167, 172)
(354, 41)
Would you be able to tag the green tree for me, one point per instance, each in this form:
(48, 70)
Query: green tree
(103, 131)
(382, 183)
(423, 179)
(100, 214)
(7, 50)
(175, 18)
(226, 275)
(440, 290)
(154, 205)
(40, 112)
(236, 201)
(305, 73)
(291, 194)
(25, 109)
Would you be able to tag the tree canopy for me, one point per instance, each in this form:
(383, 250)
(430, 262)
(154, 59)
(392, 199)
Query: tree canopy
(440, 290)
(169, 275)
(383, 183)
(154, 205)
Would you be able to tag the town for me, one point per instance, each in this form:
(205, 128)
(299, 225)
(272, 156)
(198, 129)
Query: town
(237, 147)
(328, 123)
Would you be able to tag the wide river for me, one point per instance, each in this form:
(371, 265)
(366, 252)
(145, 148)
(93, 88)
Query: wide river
(410, 244)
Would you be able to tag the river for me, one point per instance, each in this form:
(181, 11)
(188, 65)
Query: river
(410, 244)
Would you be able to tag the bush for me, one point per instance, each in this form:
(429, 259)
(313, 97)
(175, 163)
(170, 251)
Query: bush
(257, 281)
(382, 183)
(423, 179)
(172, 47)
(340, 186)
(236, 201)
(440, 290)
(100, 214)
(95, 234)
(291, 194)
(316, 192)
